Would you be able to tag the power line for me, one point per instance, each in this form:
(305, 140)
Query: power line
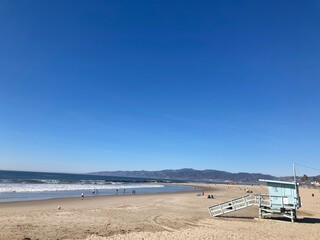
(301, 165)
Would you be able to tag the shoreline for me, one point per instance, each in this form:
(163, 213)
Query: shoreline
(120, 197)
(102, 196)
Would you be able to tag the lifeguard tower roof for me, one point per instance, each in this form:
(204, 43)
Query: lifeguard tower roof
(279, 182)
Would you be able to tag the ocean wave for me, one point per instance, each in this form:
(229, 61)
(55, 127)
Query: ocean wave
(53, 181)
(63, 181)
(54, 187)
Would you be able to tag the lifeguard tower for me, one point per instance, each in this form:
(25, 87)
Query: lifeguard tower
(283, 199)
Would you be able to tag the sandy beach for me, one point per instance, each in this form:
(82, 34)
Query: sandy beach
(155, 216)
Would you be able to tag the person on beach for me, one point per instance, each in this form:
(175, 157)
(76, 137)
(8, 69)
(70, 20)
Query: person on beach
(93, 192)
(117, 191)
(82, 196)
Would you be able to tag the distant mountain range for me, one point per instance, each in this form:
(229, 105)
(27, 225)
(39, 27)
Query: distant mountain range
(189, 174)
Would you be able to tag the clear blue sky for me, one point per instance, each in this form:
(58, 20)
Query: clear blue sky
(131, 85)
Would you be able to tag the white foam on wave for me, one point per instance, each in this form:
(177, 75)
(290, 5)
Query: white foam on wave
(19, 188)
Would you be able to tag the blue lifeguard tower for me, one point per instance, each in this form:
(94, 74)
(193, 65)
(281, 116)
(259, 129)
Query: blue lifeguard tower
(282, 199)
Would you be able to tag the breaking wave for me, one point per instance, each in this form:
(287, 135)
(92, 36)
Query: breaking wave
(55, 187)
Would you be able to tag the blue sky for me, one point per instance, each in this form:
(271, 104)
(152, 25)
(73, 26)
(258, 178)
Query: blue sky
(131, 85)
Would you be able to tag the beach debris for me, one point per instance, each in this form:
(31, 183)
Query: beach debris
(59, 207)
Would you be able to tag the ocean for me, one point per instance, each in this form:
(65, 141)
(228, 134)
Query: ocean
(24, 186)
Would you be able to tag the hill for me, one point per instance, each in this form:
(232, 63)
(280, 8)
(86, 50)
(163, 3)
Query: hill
(188, 174)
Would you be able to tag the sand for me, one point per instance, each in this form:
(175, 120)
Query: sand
(156, 216)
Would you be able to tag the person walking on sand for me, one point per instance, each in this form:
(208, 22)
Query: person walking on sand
(82, 196)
